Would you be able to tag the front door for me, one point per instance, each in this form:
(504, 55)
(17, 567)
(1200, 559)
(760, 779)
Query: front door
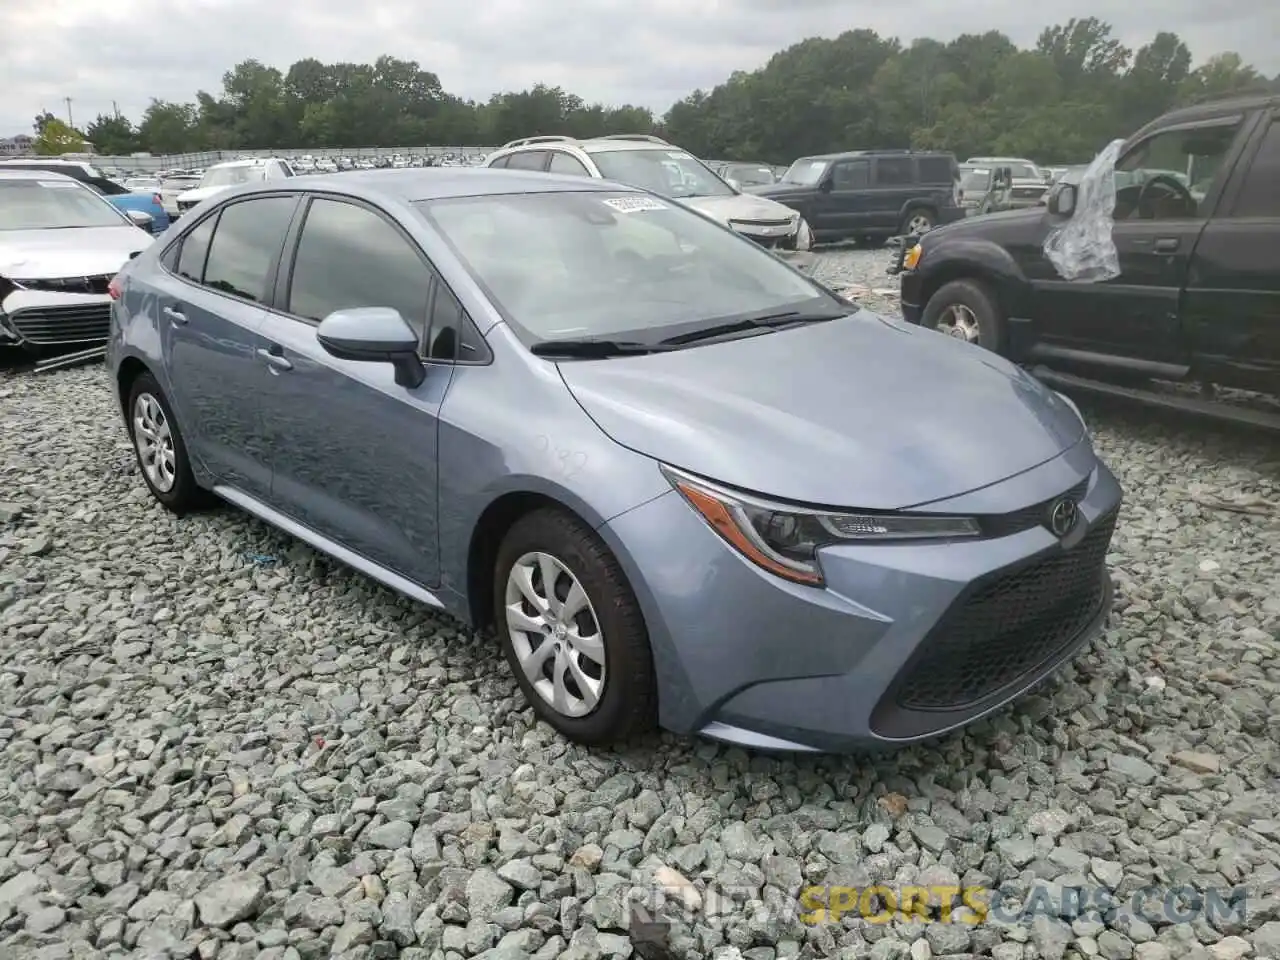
(354, 454)
(1166, 189)
(845, 209)
(211, 310)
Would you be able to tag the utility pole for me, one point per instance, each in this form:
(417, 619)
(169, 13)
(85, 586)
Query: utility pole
(115, 110)
(70, 122)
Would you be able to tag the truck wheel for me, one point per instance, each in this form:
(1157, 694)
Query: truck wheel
(966, 310)
(918, 221)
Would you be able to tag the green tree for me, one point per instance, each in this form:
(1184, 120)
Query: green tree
(56, 138)
(112, 135)
(169, 127)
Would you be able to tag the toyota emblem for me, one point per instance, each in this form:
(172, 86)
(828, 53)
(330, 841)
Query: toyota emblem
(1063, 517)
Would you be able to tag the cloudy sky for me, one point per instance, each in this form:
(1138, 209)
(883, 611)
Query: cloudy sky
(650, 52)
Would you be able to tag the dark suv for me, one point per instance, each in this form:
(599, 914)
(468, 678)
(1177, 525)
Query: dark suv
(1196, 231)
(870, 195)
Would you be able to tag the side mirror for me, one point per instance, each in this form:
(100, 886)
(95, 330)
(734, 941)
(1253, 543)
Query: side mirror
(376, 334)
(140, 218)
(1062, 202)
(825, 186)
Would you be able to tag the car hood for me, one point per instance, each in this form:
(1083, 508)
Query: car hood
(779, 191)
(55, 254)
(741, 207)
(860, 413)
(1005, 225)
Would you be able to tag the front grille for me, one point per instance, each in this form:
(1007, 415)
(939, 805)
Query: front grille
(1036, 515)
(51, 326)
(1007, 627)
(93, 284)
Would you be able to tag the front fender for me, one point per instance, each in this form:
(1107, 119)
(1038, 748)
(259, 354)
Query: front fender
(961, 257)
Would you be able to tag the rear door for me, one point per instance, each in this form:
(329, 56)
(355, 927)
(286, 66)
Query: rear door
(894, 184)
(1168, 184)
(210, 308)
(354, 454)
(1231, 309)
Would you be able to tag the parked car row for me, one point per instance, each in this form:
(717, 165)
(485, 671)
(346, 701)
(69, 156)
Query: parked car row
(117, 194)
(710, 524)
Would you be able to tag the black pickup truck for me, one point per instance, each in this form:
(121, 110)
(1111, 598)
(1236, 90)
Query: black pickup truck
(1197, 299)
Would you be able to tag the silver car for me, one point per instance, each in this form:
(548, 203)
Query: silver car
(60, 246)
(655, 165)
(673, 479)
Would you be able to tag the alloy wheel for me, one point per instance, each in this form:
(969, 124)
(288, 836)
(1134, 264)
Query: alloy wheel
(960, 322)
(918, 224)
(555, 634)
(154, 441)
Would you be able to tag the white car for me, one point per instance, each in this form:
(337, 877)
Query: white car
(657, 166)
(233, 173)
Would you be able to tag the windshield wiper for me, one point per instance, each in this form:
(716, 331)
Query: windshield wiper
(768, 321)
(593, 348)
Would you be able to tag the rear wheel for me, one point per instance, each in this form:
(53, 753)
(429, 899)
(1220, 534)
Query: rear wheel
(159, 447)
(966, 310)
(572, 630)
(918, 221)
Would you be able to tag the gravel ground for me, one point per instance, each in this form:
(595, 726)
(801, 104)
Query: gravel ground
(216, 743)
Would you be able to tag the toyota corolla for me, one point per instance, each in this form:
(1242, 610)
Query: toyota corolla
(679, 482)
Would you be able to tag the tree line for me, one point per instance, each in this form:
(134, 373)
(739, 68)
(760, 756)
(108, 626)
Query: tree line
(1059, 101)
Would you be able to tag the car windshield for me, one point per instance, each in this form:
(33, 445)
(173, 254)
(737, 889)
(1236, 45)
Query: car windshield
(608, 265)
(805, 172)
(230, 176)
(52, 205)
(750, 175)
(671, 173)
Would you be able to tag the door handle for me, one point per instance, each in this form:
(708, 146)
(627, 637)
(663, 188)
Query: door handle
(275, 360)
(1168, 245)
(175, 316)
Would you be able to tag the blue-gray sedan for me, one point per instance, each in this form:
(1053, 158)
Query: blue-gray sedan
(683, 483)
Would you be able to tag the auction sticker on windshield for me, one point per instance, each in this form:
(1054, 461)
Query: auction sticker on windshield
(634, 204)
(59, 184)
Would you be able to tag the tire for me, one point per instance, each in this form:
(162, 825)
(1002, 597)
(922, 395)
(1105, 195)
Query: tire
(625, 704)
(967, 304)
(918, 220)
(167, 476)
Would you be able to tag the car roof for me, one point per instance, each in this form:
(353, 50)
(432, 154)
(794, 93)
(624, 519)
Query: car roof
(18, 174)
(411, 184)
(853, 154)
(1213, 108)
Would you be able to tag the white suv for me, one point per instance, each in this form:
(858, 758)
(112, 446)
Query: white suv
(655, 165)
(233, 173)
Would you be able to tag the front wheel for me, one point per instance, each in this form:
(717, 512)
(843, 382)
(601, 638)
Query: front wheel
(966, 310)
(572, 630)
(160, 449)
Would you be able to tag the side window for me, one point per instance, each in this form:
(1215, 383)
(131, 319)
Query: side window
(894, 171)
(1258, 196)
(500, 162)
(562, 162)
(446, 324)
(851, 175)
(527, 160)
(245, 245)
(472, 347)
(1168, 175)
(348, 256)
(169, 259)
(195, 250)
(935, 169)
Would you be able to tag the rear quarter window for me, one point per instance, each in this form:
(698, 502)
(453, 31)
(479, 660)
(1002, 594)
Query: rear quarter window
(936, 169)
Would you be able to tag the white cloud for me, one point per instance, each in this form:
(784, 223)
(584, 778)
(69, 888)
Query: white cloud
(650, 53)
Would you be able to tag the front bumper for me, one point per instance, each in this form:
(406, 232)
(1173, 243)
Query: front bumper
(36, 319)
(904, 643)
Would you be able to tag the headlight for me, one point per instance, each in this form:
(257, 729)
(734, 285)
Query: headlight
(912, 257)
(804, 236)
(784, 539)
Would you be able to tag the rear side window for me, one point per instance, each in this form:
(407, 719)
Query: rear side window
(1259, 196)
(348, 256)
(195, 250)
(245, 245)
(936, 169)
(529, 160)
(894, 171)
(564, 163)
(500, 162)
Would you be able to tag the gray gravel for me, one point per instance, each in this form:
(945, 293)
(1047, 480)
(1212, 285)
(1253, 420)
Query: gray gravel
(216, 743)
